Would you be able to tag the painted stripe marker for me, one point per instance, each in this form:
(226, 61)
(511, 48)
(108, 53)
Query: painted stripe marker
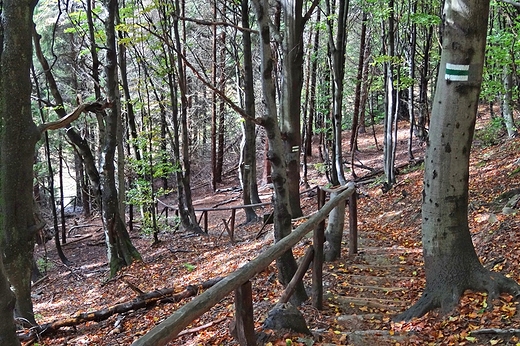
(459, 73)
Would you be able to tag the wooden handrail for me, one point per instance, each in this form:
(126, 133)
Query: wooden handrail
(168, 330)
(174, 207)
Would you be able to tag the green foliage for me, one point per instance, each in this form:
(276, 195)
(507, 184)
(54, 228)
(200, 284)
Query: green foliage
(189, 267)
(490, 134)
(320, 167)
(425, 19)
(44, 264)
(154, 164)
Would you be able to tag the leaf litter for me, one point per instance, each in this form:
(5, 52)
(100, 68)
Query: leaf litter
(363, 292)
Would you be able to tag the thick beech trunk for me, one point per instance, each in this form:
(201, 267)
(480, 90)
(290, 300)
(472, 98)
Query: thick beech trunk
(286, 264)
(291, 98)
(451, 264)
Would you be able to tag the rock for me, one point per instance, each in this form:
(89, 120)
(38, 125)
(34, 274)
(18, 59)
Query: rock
(286, 316)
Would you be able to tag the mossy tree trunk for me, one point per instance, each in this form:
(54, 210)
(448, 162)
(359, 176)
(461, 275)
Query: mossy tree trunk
(450, 261)
(19, 135)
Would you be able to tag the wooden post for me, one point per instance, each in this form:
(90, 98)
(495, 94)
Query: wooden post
(244, 324)
(205, 213)
(317, 264)
(352, 219)
(233, 213)
(298, 276)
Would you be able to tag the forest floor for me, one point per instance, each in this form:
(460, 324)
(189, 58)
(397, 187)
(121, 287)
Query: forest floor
(363, 291)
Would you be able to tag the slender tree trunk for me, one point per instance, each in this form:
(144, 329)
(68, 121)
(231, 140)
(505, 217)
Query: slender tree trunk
(186, 174)
(507, 100)
(411, 88)
(334, 230)
(391, 103)
(214, 109)
(424, 106)
(248, 166)
(120, 250)
(359, 80)
(312, 99)
(450, 261)
(221, 104)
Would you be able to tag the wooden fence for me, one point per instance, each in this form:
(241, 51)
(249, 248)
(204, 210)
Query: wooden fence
(238, 280)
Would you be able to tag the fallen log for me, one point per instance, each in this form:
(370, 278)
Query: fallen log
(161, 296)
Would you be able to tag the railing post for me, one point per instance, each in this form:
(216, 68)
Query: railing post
(244, 323)
(317, 263)
(352, 219)
(205, 221)
(233, 214)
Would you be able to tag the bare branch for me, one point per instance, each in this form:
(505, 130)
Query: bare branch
(69, 118)
(210, 23)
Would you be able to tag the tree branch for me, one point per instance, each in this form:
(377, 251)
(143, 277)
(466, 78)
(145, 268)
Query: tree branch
(69, 118)
(210, 23)
(516, 4)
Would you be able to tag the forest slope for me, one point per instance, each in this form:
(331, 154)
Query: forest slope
(390, 248)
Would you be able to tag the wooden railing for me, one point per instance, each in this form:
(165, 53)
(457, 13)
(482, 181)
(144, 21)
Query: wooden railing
(238, 280)
(163, 207)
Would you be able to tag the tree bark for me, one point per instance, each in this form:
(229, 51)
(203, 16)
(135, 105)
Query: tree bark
(19, 135)
(286, 264)
(450, 261)
(120, 249)
(290, 101)
(248, 155)
(334, 231)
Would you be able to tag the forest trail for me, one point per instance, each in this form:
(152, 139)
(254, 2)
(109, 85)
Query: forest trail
(363, 292)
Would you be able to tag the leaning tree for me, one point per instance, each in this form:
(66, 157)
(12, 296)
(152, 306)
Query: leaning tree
(450, 261)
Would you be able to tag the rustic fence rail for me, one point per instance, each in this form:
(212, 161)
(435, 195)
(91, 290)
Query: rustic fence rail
(168, 330)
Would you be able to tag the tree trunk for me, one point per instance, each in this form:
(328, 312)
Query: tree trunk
(18, 138)
(248, 166)
(120, 250)
(290, 102)
(8, 335)
(411, 88)
(507, 100)
(391, 104)
(286, 264)
(334, 231)
(312, 92)
(337, 51)
(451, 264)
(359, 80)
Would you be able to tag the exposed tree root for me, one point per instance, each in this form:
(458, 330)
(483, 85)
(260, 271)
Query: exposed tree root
(446, 296)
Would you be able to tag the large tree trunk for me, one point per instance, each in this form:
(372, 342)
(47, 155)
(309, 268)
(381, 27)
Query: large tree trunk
(18, 138)
(286, 264)
(291, 97)
(451, 264)
(120, 250)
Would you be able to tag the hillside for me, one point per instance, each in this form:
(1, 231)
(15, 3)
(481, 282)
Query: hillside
(364, 291)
